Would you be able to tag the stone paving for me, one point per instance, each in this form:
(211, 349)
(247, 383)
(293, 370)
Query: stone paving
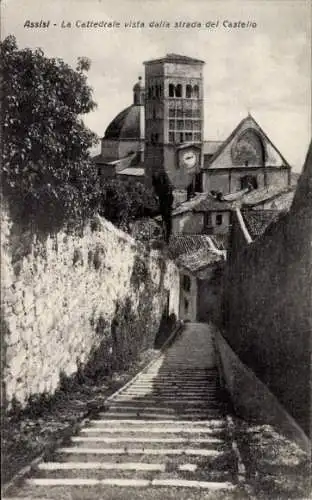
(164, 435)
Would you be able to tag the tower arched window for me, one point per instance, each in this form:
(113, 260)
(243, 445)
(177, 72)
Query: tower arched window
(171, 90)
(188, 91)
(178, 90)
(196, 91)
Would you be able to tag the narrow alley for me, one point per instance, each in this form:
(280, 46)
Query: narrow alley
(163, 435)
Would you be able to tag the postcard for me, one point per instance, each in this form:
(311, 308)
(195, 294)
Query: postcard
(155, 248)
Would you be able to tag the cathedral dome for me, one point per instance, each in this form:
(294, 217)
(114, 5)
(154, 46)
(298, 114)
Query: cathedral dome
(126, 125)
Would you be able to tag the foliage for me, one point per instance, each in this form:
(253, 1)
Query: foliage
(124, 201)
(46, 163)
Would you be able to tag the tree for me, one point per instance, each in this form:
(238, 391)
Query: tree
(46, 167)
(124, 201)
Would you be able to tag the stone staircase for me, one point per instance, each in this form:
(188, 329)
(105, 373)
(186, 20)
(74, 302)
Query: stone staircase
(164, 435)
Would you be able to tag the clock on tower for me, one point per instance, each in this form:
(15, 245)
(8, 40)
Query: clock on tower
(188, 158)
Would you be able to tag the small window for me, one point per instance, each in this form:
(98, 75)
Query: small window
(172, 112)
(188, 136)
(186, 283)
(180, 125)
(181, 137)
(171, 90)
(154, 113)
(186, 305)
(219, 219)
(197, 137)
(196, 91)
(179, 113)
(198, 182)
(188, 91)
(171, 136)
(171, 124)
(178, 90)
(249, 181)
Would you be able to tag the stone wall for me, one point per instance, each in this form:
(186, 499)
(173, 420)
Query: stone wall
(67, 298)
(268, 302)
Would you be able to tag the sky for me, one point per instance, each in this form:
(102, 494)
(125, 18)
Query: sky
(265, 70)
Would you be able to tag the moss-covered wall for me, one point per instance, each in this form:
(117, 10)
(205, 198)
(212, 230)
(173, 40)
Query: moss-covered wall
(68, 302)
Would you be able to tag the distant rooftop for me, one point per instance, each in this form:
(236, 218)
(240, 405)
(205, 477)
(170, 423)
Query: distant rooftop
(181, 244)
(194, 252)
(258, 196)
(198, 260)
(175, 58)
(257, 221)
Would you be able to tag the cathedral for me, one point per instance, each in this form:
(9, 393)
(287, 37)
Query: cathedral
(161, 134)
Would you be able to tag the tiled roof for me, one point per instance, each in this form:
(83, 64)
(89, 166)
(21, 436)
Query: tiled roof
(210, 203)
(198, 260)
(257, 221)
(211, 147)
(258, 196)
(187, 206)
(176, 58)
(180, 244)
(193, 251)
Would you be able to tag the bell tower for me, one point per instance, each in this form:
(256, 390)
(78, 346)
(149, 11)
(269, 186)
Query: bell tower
(174, 119)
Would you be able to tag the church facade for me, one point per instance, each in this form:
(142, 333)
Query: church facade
(161, 134)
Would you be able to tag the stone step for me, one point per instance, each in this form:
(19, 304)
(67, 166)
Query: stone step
(170, 394)
(158, 398)
(148, 423)
(171, 387)
(132, 483)
(129, 470)
(158, 441)
(140, 450)
(127, 444)
(142, 415)
(153, 410)
(156, 432)
(125, 406)
(161, 401)
(113, 492)
(219, 461)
